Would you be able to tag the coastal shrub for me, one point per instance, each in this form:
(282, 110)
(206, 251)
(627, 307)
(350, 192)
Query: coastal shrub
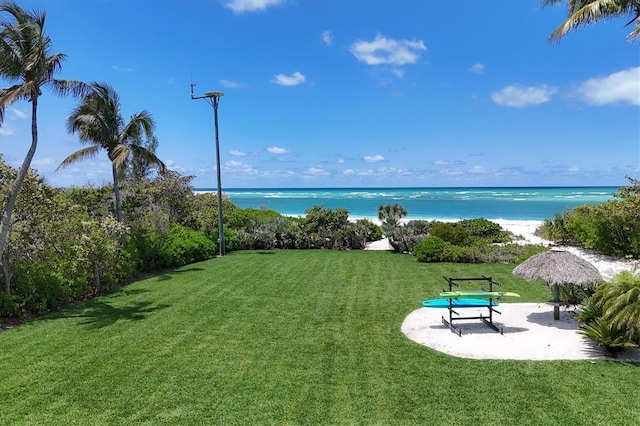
(405, 238)
(610, 228)
(183, 246)
(451, 232)
(373, 231)
(430, 249)
(619, 299)
(486, 230)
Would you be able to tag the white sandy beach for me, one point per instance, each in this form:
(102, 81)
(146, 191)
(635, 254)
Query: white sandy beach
(529, 331)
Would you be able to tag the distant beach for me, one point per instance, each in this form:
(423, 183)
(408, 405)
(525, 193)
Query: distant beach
(495, 203)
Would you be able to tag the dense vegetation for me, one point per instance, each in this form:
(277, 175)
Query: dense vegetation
(610, 228)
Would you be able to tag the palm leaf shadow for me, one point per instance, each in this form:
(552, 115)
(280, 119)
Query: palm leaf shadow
(100, 314)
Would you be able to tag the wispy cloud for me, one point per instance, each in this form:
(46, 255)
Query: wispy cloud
(387, 51)
(317, 171)
(232, 84)
(327, 37)
(518, 96)
(278, 150)
(236, 153)
(292, 80)
(373, 158)
(121, 69)
(477, 68)
(620, 87)
(242, 6)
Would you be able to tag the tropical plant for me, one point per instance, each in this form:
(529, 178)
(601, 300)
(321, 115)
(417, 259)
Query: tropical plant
(98, 121)
(390, 216)
(26, 60)
(585, 12)
(619, 300)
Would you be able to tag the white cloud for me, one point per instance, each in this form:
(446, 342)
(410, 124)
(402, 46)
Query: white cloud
(7, 130)
(232, 84)
(293, 80)
(233, 166)
(42, 162)
(278, 151)
(373, 158)
(237, 153)
(18, 113)
(518, 96)
(317, 171)
(477, 68)
(241, 6)
(327, 37)
(384, 50)
(619, 87)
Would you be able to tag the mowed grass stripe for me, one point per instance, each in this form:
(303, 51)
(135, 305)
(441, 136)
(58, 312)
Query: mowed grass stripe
(287, 337)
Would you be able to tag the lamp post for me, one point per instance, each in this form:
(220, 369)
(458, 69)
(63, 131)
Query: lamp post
(212, 99)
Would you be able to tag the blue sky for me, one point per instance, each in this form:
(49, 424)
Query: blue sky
(349, 93)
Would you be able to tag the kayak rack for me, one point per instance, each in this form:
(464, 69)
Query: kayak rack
(488, 320)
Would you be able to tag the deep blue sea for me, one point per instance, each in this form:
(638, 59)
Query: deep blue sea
(427, 203)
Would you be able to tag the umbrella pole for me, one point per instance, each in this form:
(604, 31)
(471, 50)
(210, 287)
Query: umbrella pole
(555, 290)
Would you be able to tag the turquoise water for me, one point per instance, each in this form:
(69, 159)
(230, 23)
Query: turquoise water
(427, 203)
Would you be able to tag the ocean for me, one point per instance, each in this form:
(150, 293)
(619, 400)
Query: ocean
(506, 203)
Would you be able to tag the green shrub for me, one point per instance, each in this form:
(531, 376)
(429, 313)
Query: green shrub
(485, 229)
(430, 249)
(183, 246)
(451, 232)
(8, 307)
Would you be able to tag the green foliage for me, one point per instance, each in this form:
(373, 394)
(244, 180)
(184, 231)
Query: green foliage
(619, 300)
(451, 232)
(486, 230)
(8, 307)
(430, 249)
(611, 228)
(373, 231)
(601, 331)
(183, 246)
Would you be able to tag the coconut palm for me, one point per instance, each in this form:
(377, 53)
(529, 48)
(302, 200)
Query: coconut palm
(98, 122)
(27, 62)
(585, 12)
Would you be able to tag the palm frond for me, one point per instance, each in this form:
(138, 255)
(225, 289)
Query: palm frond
(84, 153)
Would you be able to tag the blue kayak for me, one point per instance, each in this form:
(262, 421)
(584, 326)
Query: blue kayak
(458, 303)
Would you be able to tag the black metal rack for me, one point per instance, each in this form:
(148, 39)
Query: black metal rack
(487, 320)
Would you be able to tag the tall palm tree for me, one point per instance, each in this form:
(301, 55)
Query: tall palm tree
(27, 62)
(98, 122)
(585, 12)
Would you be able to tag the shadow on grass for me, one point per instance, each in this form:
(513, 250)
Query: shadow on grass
(99, 314)
(167, 275)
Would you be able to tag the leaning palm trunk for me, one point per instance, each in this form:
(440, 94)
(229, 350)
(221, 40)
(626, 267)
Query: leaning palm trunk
(5, 225)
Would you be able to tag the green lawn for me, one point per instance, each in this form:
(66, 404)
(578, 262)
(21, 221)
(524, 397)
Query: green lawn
(288, 337)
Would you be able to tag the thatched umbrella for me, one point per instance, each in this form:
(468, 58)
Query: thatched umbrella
(558, 268)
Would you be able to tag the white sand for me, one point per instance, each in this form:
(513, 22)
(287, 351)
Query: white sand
(529, 333)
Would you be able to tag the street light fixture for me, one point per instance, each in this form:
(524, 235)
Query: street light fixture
(212, 99)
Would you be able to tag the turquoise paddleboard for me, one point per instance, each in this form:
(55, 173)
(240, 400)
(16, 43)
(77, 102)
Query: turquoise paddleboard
(458, 303)
(479, 294)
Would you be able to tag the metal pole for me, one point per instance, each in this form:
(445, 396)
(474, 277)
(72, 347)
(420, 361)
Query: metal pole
(220, 222)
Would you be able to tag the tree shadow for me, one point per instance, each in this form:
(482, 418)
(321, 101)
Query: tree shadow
(167, 275)
(99, 314)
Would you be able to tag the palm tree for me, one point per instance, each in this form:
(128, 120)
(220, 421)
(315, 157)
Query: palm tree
(390, 216)
(585, 12)
(98, 122)
(26, 60)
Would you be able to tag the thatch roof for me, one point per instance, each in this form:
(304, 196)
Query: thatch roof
(558, 268)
